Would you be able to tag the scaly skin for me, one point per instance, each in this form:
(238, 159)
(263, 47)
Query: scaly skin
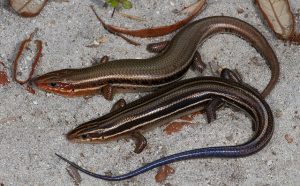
(152, 73)
(174, 101)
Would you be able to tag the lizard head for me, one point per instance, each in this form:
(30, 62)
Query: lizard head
(62, 82)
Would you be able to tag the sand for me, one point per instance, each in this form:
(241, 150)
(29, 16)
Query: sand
(32, 127)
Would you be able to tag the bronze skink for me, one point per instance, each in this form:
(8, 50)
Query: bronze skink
(176, 100)
(166, 67)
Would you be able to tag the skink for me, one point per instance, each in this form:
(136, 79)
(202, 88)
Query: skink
(179, 99)
(168, 66)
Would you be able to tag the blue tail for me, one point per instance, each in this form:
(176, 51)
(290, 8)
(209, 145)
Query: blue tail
(226, 152)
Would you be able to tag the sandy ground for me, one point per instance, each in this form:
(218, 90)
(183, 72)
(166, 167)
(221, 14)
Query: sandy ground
(32, 127)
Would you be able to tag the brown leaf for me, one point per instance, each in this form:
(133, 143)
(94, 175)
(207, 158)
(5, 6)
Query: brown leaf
(163, 172)
(3, 75)
(130, 41)
(191, 116)
(35, 59)
(279, 17)
(176, 126)
(190, 10)
(288, 138)
(160, 30)
(28, 8)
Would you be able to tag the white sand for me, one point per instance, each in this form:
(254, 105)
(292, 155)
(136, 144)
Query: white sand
(32, 127)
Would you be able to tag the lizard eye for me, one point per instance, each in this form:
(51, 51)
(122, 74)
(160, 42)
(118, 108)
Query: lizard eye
(53, 84)
(84, 136)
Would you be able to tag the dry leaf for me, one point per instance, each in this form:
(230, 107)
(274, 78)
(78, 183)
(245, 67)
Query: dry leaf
(191, 116)
(190, 10)
(288, 138)
(279, 17)
(28, 8)
(176, 126)
(193, 10)
(130, 41)
(3, 78)
(3, 75)
(33, 56)
(163, 172)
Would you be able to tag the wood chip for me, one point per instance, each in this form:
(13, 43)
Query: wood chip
(288, 138)
(163, 172)
(3, 75)
(176, 126)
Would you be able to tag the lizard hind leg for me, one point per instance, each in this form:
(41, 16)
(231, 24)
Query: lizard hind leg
(140, 142)
(107, 92)
(211, 109)
(119, 104)
(231, 75)
(198, 64)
